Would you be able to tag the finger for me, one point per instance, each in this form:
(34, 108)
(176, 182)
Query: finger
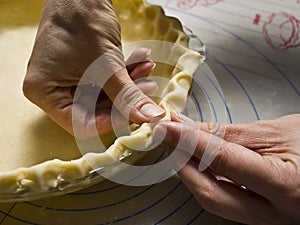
(139, 55)
(223, 198)
(142, 69)
(104, 121)
(214, 128)
(107, 121)
(235, 162)
(146, 86)
(130, 100)
(256, 135)
(86, 126)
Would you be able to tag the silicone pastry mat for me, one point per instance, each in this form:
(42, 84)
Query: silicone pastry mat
(253, 48)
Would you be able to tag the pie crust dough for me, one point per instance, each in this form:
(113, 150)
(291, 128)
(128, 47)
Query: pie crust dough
(37, 156)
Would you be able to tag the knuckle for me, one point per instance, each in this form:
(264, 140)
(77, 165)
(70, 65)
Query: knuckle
(32, 84)
(232, 131)
(216, 128)
(28, 87)
(130, 96)
(279, 179)
(206, 200)
(267, 127)
(221, 156)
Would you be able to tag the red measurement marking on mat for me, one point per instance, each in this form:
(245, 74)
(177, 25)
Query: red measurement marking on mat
(286, 30)
(187, 4)
(256, 19)
(210, 2)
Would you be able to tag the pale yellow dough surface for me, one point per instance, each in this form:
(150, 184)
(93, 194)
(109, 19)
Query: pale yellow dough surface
(36, 154)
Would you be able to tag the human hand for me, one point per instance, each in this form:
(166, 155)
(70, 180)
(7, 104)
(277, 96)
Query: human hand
(254, 177)
(71, 36)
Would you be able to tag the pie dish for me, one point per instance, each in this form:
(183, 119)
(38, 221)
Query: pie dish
(38, 158)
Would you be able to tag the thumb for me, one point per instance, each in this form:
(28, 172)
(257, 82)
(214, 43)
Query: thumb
(130, 100)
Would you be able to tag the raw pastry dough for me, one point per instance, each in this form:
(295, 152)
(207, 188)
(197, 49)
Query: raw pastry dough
(37, 155)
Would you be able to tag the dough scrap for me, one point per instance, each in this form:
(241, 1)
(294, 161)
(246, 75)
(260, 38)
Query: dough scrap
(34, 162)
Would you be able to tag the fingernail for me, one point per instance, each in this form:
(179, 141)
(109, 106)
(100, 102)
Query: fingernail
(151, 110)
(154, 65)
(148, 51)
